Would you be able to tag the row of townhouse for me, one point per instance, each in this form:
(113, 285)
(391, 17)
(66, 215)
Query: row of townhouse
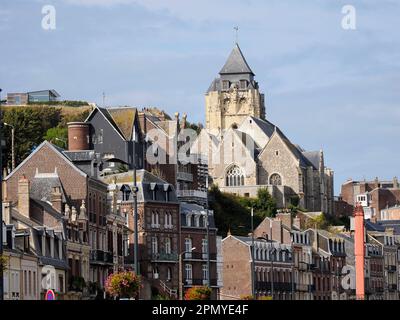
(82, 197)
(59, 214)
(292, 262)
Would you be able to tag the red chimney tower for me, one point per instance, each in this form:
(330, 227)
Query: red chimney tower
(359, 251)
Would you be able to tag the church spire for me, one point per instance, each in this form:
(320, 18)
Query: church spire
(236, 63)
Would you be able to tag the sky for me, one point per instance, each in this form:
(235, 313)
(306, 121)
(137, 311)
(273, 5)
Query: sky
(326, 87)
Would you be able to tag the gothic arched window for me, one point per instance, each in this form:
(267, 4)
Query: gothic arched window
(275, 180)
(234, 177)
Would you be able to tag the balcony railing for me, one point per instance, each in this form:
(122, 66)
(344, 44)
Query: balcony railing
(184, 176)
(198, 256)
(278, 286)
(391, 268)
(191, 194)
(200, 282)
(304, 266)
(392, 287)
(169, 257)
(101, 256)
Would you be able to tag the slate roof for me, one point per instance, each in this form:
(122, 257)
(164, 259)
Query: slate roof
(236, 63)
(145, 180)
(313, 157)
(48, 208)
(267, 127)
(187, 208)
(41, 188)
(382, 225)
(78, 156)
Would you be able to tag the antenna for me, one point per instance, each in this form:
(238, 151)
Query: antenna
(104, 99)
(236, 28)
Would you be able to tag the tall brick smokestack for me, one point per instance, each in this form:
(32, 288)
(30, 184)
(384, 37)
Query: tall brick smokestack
(78, 136)
(359, 251)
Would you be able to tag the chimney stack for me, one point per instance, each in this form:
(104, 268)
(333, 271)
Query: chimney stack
(359, 251)
(56, 199)
(395, 183)
(23, 196)
(286, 218)
(183, 121)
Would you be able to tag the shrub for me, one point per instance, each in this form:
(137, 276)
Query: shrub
(3, 263)
(247, 297)
(77, 283)
(123, 284)
(265, 298)
(198, 293)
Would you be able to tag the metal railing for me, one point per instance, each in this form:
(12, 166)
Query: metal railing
(191, 193)
(169, 257)
(199, 256)
(391, 268)
(184, 176)
(200, 282)
(173, 293)
(101, 256)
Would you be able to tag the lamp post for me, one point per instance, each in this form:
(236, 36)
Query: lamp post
(253, 275)
(135, 209)
(208, 238)
(1, 201)
(62, 140)
(180, 272)
(12, 145)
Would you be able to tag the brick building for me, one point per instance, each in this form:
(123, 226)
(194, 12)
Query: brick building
(199, 267)
(159, 228)
(329, 258)
(374, 196)
(39, 231)
(79, 191)
(272, 269)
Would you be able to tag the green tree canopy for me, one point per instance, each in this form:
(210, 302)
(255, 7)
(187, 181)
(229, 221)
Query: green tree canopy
(233, 212)
(58, 136)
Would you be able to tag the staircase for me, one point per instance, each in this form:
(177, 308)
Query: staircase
(172, 293)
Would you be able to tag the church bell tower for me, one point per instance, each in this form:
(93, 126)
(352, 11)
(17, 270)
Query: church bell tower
(234, 95)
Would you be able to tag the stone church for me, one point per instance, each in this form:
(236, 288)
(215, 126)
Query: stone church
(245, 151)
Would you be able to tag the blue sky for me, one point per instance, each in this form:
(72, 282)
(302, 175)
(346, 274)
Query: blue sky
(325, 87)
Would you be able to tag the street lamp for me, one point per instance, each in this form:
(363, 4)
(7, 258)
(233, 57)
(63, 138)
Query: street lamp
(135, 206)
(180, 272)
(62, 140)
(253, 275)
(208, 238)
(12, 145)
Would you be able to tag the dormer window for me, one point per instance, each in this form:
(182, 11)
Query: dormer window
(243, 84)
(153, 187)
(126, 191)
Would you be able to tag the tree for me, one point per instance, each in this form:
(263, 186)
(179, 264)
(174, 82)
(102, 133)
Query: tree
(265, 205)
(57, 136)
(233, 212)
(31, 124)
